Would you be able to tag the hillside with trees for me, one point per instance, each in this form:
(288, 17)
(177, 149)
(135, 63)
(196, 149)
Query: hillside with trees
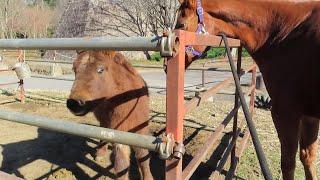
(29, 18)
(80, 18)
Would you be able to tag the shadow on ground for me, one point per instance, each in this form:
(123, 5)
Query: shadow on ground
(66, 151)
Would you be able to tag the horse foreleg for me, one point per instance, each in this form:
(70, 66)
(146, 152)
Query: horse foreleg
(101, 150)
(308, 145)
(121, 161)
(287, 126)
(143, 159)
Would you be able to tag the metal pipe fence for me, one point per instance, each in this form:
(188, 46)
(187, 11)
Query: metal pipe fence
(176, 107)
(89, 43)
(110, 135)
(173, 44)
(135, 65)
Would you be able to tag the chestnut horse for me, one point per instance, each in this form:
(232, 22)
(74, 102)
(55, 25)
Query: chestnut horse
(107, 85)
(284, 39)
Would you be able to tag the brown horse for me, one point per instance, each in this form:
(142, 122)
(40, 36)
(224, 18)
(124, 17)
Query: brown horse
(284, 39)
(107, 85)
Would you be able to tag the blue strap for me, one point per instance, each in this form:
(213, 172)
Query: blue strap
(190, 49)
(200, 29)
(200, 12)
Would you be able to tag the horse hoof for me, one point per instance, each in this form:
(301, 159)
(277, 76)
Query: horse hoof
(98, 158)
(100, 154)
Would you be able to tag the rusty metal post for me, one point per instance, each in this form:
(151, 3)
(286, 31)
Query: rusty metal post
(54, 55)
(24, 55)
(175, 103)
(203, 73)
(22, 97)
(236, 104)
(21, 83)
(203, 77)
(20, 54)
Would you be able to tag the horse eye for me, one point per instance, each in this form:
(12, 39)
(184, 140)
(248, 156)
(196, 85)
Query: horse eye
(100, 70)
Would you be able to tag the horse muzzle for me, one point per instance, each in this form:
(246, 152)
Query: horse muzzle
(78, 107)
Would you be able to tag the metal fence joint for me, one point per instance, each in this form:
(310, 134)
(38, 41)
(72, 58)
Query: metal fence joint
(179, 151)
(167, 43)
(166, 147)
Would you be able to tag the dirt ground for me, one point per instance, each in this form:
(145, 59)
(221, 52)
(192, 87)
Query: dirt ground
(34, 153)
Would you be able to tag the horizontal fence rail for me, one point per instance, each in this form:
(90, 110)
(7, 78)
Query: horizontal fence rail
(162, 44)
(109, 135)
(10, 83)
(89, 43)
(48, 61)
(208, 40)
(135, 65)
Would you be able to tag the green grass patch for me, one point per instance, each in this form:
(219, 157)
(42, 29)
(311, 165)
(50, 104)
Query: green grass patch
(156, 57)
(212, 53)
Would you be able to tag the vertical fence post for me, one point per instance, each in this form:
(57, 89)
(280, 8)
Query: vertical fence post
(0, 56)
(175, 104)
(24, 55)
(253, 83)
(235, 118)
(22, 97)
(203, 75)
(54, 55)
(21, 83)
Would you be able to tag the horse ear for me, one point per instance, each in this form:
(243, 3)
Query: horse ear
(112, 54)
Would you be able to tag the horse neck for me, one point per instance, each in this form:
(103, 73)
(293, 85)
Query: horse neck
(255, 22)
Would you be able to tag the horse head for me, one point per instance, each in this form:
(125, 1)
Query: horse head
(94, 80)
(193, 17)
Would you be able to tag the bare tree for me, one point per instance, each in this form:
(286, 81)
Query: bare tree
(134, 17)
(19, 18)
(10, 12)
(163, 14)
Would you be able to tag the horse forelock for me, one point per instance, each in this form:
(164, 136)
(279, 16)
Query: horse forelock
(81, 60)
(193, 3)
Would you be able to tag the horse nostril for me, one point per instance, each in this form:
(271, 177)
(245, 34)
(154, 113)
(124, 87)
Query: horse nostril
(72, 103)
(78, 107)
(81, 103)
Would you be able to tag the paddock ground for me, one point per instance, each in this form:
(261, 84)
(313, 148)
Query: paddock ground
(34, 153)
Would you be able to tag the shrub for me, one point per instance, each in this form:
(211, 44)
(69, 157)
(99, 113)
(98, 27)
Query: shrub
(212, 53)
(156, 57)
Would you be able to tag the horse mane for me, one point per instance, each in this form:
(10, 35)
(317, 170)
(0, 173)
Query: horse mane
(120, 59)
(276, 17)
